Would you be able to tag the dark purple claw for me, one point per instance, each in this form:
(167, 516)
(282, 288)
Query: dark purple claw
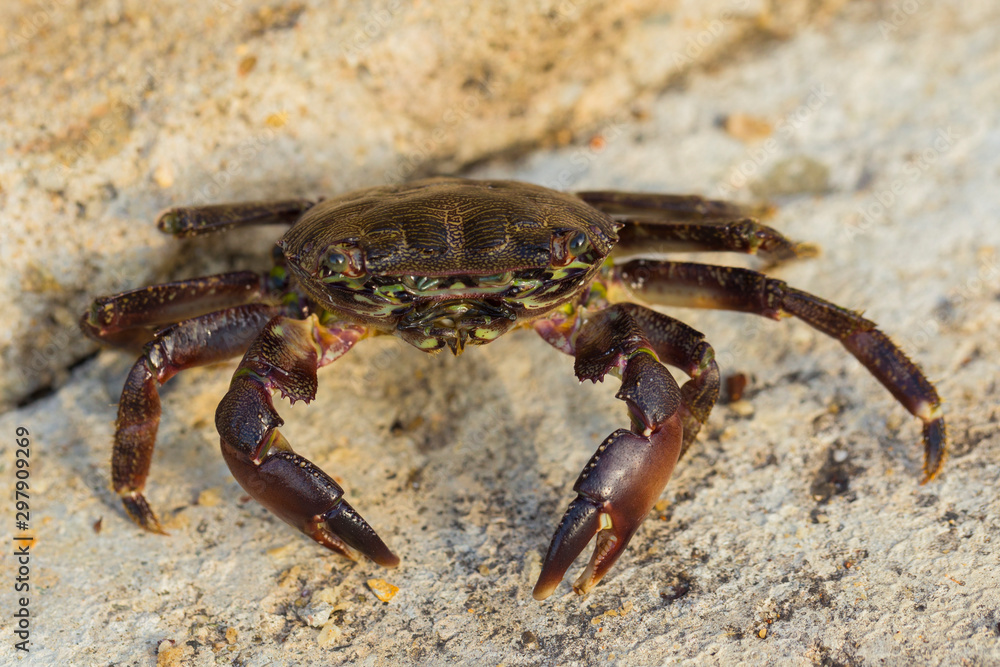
(617, 489)
(302, 495)
(285, 357)
(630, 469)
(580, 523)
(344, 522)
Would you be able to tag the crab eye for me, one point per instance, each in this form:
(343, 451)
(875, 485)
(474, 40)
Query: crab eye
(336, 262)
(341, 261)
(566, 245)
(578, 244)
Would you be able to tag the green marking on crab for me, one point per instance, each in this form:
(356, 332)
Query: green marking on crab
(247, 372)
(707, 359)
(643, 350)
(386, 310)
(391, 291)
(326, 318)
(501, 285)
(345, 281)
(598, 294)
(571, 270)
(486, 334)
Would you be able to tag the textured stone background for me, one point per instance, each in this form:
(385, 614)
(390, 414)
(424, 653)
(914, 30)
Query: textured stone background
(874, 130)
(115, 110)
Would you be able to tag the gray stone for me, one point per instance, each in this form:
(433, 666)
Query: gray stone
(123, 109)
(465, 465)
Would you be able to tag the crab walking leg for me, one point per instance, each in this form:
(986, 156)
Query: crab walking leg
(728, 288)
(630, 469)
(126, 319)
(196, 342)
(185, 221)
(670, 207)
(644, 237)
(285, 356)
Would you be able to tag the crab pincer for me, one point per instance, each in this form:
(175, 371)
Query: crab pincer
(628, 472)
(285, 357)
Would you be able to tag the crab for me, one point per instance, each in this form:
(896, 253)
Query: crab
(450, 262)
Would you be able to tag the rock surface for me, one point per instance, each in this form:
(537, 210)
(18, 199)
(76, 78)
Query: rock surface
(119, 109)
(794, 533)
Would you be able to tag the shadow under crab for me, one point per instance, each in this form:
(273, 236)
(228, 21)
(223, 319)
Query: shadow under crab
(450, 262)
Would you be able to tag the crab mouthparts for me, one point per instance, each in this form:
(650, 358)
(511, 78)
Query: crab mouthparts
(420, 284)
(432, 325)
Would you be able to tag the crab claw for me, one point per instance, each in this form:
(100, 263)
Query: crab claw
(284, 357)
(302, 495)
(616, 490)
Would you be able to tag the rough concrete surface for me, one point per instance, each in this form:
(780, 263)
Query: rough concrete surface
(794, 532)
(114, 110)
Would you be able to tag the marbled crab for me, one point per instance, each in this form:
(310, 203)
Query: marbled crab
(454, 262)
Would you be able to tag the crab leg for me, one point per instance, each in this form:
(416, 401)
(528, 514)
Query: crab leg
(127, 319)
(669, 207)
(728, 288)
(746, 235)
(656, 223)
(285, 356)
(185, 221)
(195, 342)
(629, 470)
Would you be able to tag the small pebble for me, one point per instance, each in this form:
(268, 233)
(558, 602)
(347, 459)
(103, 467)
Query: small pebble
(330, 633)
(382, 589)
(209, 498)
(745, 127)
(164, 175)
